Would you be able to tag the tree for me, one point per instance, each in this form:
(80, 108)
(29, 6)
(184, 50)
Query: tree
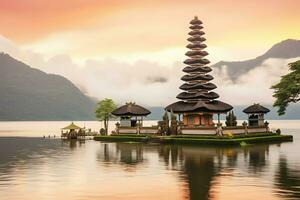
(288, 89)
(104, 110)
(231, 119)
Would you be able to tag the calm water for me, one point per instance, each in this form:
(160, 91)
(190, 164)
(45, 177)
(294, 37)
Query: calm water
(35, 168)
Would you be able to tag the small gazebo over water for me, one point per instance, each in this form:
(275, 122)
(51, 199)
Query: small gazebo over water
(256, 114)
(72, 131)
(131, 114)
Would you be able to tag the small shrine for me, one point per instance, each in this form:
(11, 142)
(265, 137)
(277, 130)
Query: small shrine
(131, 114)
(72, 131)
(256, 114)
(131, 120)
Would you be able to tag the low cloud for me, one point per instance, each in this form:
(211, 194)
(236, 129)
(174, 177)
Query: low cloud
(151, 83)
(253, 86)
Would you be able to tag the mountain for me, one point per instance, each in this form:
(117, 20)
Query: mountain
(30, 94)
(286, 49)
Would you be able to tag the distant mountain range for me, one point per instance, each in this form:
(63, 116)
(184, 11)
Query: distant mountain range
(285, 49)
(30, 94)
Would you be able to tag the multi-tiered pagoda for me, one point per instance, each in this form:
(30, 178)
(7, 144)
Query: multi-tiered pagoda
(198, 101)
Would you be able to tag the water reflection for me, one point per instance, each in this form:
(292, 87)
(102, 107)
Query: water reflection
(257, 157)
(121, 153)
(72, 144)
(25, 148)
(201, 167)
(199, 172)
(26, 153)
(198, 167)
(287, 180)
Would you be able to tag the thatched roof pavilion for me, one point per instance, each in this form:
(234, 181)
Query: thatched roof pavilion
(131, 114)
(131, 109)
(72, 131)
(197, 95)
(197, 101)
(256, 108)
(72, 126)
(256, 114)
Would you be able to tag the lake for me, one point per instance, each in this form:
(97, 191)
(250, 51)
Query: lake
(32, 167)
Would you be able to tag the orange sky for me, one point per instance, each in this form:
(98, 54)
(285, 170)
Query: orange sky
(133, 29)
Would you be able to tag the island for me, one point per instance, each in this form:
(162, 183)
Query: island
(191, 119)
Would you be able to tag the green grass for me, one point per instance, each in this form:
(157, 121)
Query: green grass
(199, 140)
(131, 135)
(223, 137)
(228, 141)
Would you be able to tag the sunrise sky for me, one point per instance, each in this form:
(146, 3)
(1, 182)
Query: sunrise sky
(110, 39)
(134, 29)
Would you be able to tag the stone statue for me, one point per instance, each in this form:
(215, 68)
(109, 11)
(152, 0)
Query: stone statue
(138, 129)
(179, 128)
(174, 124)
(245, 127)
(164, 125)
(160, 125)
(117, 127)
(219, 129)
(267, 126)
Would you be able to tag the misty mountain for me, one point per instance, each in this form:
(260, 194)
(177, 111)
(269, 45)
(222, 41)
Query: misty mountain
(286, 49)
(30, 94)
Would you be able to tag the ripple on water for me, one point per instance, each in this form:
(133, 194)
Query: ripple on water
(35, 168)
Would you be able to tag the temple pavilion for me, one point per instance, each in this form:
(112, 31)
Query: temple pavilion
(256, 114)
(131, 114)
(198, 103)
(72, 131)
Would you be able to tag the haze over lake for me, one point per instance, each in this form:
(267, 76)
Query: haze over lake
(32, 167)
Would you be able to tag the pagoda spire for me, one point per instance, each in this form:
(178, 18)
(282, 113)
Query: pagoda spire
(197, 86)
(197, 98)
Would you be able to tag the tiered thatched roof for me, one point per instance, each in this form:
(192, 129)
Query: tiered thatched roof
(197, 94)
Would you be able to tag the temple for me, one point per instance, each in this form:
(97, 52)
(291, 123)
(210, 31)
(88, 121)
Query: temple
(256, 114)
(131, 120)
(131, 114)
(197, 101)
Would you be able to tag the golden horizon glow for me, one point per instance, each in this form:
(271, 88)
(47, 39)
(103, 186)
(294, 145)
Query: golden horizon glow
(129, 28)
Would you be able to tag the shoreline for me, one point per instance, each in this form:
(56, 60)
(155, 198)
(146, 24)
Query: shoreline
(198, 140)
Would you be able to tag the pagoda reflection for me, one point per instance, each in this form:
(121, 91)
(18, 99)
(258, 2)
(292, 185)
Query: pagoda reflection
(121, 153)
(200, 169)
(200, 173)
(287, 180)
(257, 157)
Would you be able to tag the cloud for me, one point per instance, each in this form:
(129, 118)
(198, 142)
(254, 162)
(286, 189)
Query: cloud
(145, 82)
(253, 86)
(148, 83)
(151, 83)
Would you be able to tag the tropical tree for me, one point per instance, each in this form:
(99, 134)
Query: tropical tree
(103, 112)
(288, 89)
